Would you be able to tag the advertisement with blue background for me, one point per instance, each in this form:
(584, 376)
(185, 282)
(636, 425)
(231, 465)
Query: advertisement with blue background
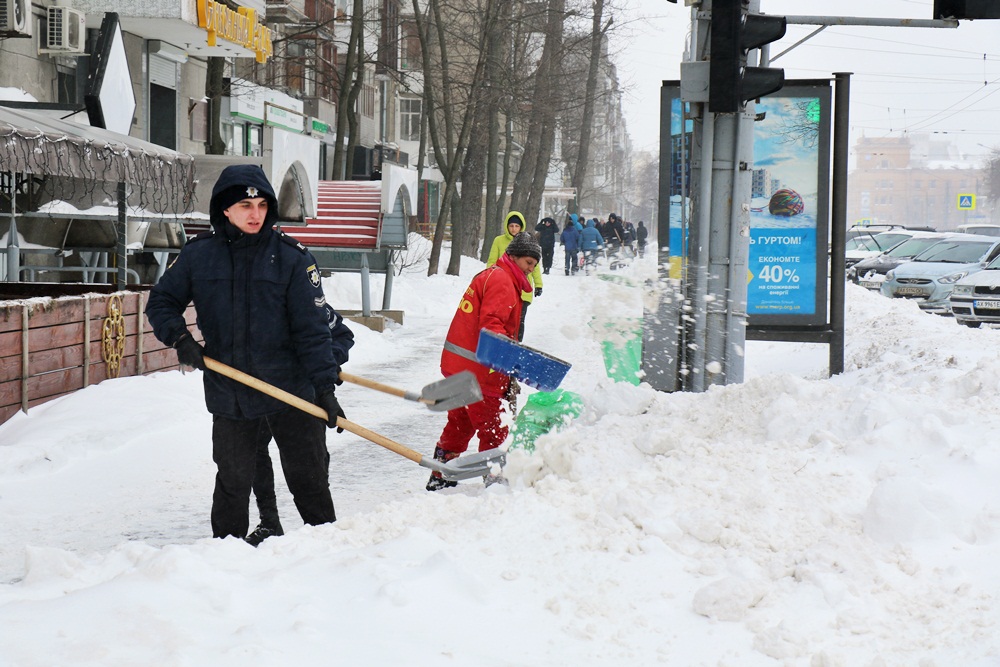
(789, 206)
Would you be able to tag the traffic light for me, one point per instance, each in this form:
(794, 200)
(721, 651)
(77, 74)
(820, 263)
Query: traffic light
(734, 32)
(966, 9)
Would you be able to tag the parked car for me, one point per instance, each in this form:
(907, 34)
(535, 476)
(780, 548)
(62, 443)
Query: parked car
(930, 276)
(870, 273)
(976, 298)
(983, 229)
(864, 246)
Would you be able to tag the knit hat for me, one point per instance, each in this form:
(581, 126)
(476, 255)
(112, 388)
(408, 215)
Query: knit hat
(524, 246)
(236, 193)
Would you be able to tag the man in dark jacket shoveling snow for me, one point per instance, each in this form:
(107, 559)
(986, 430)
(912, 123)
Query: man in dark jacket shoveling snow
(261, 309)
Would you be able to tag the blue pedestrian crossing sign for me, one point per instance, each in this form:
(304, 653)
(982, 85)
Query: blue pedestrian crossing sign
(967, 202)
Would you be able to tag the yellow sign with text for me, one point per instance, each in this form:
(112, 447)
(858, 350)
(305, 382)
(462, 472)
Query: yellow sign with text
(240, 27)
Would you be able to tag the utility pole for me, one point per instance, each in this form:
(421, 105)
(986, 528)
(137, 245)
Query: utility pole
(721, 84)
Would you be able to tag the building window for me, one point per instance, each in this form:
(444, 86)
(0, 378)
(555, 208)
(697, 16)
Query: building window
(410, 111)
(163, 116)
(366, 100)
(409, 43)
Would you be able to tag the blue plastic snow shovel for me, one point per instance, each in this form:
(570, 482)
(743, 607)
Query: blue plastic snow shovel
(533, 367)
(463, 467)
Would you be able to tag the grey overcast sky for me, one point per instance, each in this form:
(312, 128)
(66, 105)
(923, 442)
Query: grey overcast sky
(937, 81)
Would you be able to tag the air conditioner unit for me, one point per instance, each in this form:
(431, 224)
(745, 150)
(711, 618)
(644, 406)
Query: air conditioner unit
(15, 18)
(66, 31)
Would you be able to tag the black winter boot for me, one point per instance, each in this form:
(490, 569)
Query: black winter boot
(262, 532)
(437, 482)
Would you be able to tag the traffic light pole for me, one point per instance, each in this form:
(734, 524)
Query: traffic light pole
(718, 257)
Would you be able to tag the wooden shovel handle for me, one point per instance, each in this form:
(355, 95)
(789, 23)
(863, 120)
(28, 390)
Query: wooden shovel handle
(306, 406)
(378, 386)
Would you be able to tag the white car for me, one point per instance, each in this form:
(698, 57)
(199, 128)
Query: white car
(930, 276)
(976, 298)
(866, 246)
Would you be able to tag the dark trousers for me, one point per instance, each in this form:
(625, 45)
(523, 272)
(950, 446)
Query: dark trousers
(263, 484)
(572, 261)
(547, 258)
(524, 313)
(301, 441)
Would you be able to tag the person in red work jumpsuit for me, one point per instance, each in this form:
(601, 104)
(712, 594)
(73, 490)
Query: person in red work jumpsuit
(491, 301)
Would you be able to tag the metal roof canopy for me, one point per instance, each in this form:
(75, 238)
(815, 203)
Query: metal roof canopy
(161, 180)
(35, 143)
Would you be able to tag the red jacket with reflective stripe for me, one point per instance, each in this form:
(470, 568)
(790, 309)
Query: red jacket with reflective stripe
(491, 301)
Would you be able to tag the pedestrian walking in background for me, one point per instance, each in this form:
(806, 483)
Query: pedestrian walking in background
(629, 236)
(591, 243)
(547, 229)
(261, 309)
(490, 302)
(570, 240)
(640, 236)
(514, 225)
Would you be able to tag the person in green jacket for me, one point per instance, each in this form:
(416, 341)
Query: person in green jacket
(513, 225)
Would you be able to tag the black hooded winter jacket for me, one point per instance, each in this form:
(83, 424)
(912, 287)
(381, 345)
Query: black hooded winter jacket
(260, 307)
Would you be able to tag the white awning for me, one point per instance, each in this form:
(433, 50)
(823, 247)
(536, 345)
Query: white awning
(33, 143)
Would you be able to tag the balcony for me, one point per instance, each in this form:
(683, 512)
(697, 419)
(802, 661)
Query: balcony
(286, 11)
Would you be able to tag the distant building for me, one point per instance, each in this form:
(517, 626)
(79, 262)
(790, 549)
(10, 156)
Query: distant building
(914, 181)
(762, 185)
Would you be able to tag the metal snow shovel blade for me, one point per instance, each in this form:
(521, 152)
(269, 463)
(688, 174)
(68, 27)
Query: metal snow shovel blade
(452, 392)
(463, 467)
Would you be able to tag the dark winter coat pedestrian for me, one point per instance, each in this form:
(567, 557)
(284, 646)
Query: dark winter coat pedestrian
(614, 231)
(261, 309)
(640, 234)
(547, 230)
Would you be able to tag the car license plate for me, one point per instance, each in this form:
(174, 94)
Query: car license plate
(986, 304)
(870, 284)
(919, 291)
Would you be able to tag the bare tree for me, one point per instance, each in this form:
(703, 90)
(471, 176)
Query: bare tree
(598, 29)
(455, 112)
(347, 119)
(544, 105)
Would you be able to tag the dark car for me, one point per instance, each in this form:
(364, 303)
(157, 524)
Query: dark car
(870, 272)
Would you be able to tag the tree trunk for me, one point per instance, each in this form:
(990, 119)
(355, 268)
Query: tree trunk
(473, 175)
(550, 71)
(583, 154)
(351, 79)
(494, 199)
(214, 85)
(450, 159)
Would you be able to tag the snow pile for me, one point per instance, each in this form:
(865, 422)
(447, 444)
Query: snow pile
(792, 519)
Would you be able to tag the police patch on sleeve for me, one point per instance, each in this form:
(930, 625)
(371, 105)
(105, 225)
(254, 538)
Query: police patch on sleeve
(313, 275)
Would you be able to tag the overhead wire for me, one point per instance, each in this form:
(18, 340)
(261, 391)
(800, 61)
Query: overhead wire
(939, 115)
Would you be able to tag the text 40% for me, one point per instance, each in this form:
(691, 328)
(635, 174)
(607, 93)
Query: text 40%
(775, 273)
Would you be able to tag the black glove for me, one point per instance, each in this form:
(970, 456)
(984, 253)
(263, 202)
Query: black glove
(328, 401)
(190, 352)
(538, 291)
